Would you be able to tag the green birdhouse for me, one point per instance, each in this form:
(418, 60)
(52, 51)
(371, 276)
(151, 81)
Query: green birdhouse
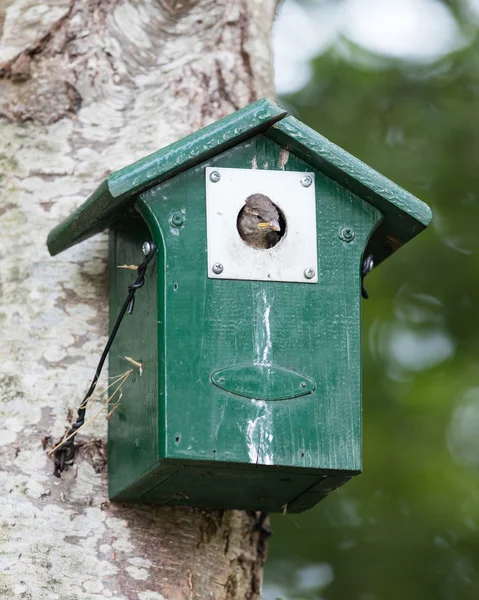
(248, 325)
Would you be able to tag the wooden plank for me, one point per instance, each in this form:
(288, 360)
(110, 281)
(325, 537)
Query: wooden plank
(404, 215)
(116, 194)
(133, 451)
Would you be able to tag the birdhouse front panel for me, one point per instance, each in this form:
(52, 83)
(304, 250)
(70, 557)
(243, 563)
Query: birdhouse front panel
(257, 379)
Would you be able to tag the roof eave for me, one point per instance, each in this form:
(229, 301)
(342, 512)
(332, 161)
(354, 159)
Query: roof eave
(404, 215)
(118, 191)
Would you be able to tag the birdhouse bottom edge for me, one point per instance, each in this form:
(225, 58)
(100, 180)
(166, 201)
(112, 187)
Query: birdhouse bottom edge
(209, 484)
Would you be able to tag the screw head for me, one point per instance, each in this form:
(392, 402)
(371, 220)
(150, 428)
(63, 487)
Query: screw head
(309, 273)
(306, 181)
(347, 234)
(146, 248)
(177, 219)
(218, 268)
(215, 176)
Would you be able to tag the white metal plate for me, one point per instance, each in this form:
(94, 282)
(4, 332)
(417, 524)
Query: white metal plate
(292, 255)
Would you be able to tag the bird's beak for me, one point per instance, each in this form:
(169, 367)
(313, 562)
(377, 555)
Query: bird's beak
(273, 225)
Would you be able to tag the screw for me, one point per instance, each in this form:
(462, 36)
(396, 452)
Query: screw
(306, 181)
(303, 384)
(368, 264)
(146, 248)
(309, 273)
(218, 268)
(177, 219)
(215, 176)
(347, 234)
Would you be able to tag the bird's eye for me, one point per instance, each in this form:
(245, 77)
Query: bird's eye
(259, 218)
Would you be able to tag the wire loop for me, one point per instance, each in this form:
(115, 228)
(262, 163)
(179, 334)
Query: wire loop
(367, 266)
(66, 452)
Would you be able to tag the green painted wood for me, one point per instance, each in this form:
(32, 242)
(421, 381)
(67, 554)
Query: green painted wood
(404, 215)
(223, 487)
(133, 429)
(215, 448)
(211, 422)
(116, 194)
(263, 382)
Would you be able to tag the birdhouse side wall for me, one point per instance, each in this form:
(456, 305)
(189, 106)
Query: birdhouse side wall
(133, 425)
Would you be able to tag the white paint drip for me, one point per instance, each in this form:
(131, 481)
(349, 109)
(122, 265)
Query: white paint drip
(267, 346)
(263, 344)
(283, 157)
(259, 435)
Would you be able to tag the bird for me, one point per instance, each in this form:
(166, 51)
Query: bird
(258, 222)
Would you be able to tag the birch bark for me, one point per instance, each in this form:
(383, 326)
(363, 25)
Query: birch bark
(87, 86)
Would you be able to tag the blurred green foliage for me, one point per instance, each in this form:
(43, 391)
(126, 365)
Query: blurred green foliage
(409, 526)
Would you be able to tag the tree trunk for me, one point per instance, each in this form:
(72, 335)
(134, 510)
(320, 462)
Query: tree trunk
(87, 87)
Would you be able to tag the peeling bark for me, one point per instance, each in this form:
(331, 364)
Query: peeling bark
(87, 87)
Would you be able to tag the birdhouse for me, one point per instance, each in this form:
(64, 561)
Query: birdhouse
(248, 325)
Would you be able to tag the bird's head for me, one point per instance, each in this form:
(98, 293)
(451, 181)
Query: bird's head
(258, 217)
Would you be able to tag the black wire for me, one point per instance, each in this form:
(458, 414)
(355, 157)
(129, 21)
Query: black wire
(260, 526)
(66, 451)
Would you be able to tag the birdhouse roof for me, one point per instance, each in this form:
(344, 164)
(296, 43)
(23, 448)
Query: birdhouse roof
(404, 216)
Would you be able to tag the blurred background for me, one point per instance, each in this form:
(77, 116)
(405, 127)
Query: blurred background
(396, 83)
